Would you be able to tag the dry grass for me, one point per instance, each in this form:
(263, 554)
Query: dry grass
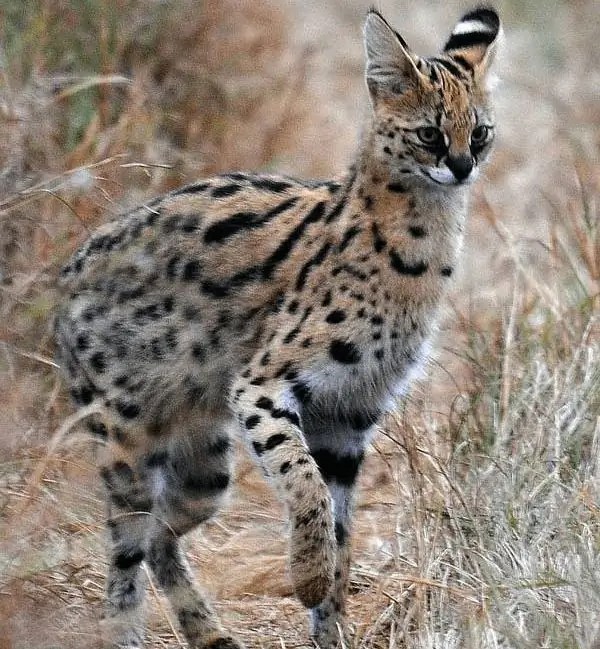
(478, 519)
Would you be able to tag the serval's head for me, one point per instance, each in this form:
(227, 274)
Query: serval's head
(433, 118)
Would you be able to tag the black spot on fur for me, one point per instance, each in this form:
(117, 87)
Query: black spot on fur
(447, 271)
(82, 396)
(264, 403)
(209, 482)
(191, 271)
(292, 417)
(302, 392)
(193, 390)
(379, 243)
(98, 429)
(415, 270)
(127, 410)
(157, 459)
(344, 352)
(190, 224)
(274, 441)
(326, 301)
(336, 316)
(417, 232)
(171, 338)
(83, 342)
(128, 559)
(252, 421)
(171, 223)
(219, 446)
(215, 290)
(341, 468)
(285, 467)
(396, 188)
(98, 362)
(172, 266)
(340, 534)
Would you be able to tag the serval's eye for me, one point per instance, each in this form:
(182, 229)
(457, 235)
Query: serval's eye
(479, 135)
(430, 136)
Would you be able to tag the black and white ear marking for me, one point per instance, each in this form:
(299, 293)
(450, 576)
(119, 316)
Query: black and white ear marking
(475, 37)
(390, 64)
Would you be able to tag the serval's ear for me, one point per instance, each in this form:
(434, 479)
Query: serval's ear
(391, 66)
(474, 40)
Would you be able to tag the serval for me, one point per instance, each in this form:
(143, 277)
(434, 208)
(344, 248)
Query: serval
(295, 312)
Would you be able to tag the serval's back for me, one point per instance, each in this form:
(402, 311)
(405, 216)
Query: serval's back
(295, 312)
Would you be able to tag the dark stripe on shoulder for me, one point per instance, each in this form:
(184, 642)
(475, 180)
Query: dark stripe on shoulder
(315, 261)
(193, 188)
(266, 270)
(270, 184)
(225, 190)
(219, 232)
(348, 236)
(287, 245)
(402, 268)
(337, 210)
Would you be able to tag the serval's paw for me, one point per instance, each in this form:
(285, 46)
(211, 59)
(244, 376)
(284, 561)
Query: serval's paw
(327, 631)
(222, 642)
(120, 633)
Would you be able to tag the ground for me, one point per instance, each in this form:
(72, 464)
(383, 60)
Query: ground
(478, 521)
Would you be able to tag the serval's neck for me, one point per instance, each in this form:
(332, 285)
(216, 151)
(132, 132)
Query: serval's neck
(407, 228)
(397, 202)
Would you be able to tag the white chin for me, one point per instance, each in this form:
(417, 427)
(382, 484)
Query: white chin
(446, 177)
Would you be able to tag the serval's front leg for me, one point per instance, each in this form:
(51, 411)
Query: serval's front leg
(273, 430)
(339, 465)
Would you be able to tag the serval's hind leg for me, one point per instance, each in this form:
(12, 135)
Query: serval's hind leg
(195, 470)
(130, 500)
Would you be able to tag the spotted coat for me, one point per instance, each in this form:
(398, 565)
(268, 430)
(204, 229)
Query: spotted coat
(295, 312)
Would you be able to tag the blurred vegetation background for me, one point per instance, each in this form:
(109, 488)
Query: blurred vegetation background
(478, 523)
